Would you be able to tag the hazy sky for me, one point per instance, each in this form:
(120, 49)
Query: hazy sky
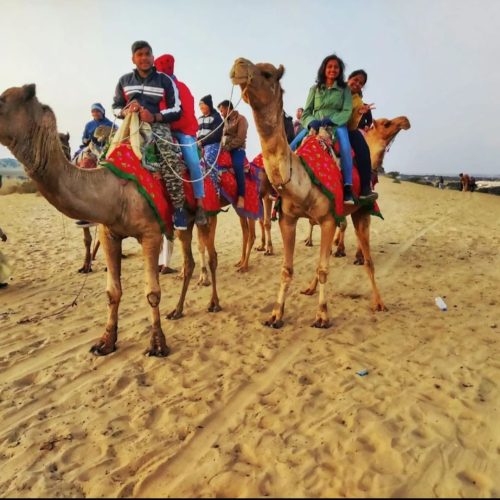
(435, 61)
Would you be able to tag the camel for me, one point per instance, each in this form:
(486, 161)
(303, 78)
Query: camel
(28, 128)
(87, 237)
(261, 89)
(379, 137)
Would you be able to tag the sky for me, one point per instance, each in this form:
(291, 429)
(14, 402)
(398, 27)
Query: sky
(434, 61)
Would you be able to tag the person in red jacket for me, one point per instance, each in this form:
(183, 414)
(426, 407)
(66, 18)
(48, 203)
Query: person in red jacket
(184, 130)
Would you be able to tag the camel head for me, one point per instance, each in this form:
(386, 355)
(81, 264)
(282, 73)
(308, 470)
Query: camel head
(20, 111)
(260, 85)
(381, 135)
(64, 138)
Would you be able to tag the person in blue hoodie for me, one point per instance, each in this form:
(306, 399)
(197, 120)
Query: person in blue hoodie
(99, 118)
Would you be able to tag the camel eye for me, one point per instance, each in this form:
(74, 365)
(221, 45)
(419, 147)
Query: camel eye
(387, 124)
(266, 74)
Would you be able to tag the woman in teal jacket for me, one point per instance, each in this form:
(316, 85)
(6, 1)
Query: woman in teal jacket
(331, 98)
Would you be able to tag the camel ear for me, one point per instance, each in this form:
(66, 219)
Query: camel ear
(29, 91)
(281, 71)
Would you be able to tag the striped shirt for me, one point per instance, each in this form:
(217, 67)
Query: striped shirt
(206, 124)
(157, 93)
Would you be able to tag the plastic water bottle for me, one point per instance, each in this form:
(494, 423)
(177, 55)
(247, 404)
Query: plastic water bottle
(441, 304)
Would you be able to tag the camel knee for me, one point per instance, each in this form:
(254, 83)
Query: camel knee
(322, 275)
(114, 296)
(286, 273)
(154, 298)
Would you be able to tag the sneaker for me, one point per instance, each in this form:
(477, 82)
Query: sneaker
(180, 219)
(371, 196)
(348, 194)
(200, 218)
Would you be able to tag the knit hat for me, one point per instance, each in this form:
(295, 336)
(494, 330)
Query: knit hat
(208, 101)
(326, 122)
(165, 64)
(315, 124)
(98, 107)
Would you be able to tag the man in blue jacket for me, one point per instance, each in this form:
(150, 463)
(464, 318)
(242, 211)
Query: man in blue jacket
(99, 118)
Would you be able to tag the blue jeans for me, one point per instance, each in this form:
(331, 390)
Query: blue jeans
(238, 160)
(298, 138)
(342, 135)
(192, 160)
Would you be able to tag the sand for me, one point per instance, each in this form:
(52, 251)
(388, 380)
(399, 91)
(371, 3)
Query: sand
(238, 409)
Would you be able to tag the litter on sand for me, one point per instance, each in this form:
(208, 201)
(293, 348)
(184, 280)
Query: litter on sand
(441, 304)
(362, 373)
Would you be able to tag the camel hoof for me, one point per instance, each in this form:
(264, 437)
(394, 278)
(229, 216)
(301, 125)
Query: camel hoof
(238, 264)
(175, 314)
(242, 269)
(158, 352)
(204, 282)
(359, 262)
(85, 270)
(339, 253)
(379, 308)
(269, 252)
(321, 323)
(260, 249)
(214, 308)
(102, 349)
(308, 291)
(274, 323)
(308, 243)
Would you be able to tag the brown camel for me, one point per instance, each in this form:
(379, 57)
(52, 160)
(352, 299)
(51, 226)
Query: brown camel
(28, 129)
(379, 137)
(261, 89)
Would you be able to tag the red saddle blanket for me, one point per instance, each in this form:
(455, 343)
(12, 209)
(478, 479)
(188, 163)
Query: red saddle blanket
(124, 163)
(325, 173)
(229, 188)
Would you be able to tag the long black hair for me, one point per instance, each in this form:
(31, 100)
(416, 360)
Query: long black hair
(357, 72)
(321, 79)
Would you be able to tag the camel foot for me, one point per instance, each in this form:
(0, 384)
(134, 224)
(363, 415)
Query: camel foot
(260, 248)
(269, 251)
(214, 307)
(85, 270)
(379, 307)
(242, 269)
(102, 349)
(158, 351)
(359, 262)
(321, 323)
(239, 263)
(274, 323)
(203, 281)
(339, 253)
(175, 314)
(308, 242)
(308, 291)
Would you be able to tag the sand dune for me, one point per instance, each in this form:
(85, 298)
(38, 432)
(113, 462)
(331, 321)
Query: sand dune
(241, 410)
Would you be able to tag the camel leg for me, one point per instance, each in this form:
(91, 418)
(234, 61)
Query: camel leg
(185, 238)
(97, 243)
(208, 235)
(361, 221)
(359, 260)
(87, 240)
(309, 240)
(288, 228)
(327, 232)
(151, 244)
(244, 233)
(113, 250)
(268, 207)
(262, 245)
(339, 240)
(248, 249)
(202, 246)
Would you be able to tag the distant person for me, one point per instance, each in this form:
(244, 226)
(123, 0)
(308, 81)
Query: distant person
(356, 81)
(99, 118)
(472, 184)
(289, 129)
(331, 98)
(464, 182)
(166, 256)
(4, 269)
(184, 130)
(234, 136)
(441, 182)
(297, 126)
(155, 97)
(209, 132)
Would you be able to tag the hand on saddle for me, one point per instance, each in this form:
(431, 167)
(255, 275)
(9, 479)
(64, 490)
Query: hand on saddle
(133, 107)
(146, 116)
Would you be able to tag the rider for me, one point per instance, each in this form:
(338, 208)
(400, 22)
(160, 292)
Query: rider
(155, 96)
(184, 130)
